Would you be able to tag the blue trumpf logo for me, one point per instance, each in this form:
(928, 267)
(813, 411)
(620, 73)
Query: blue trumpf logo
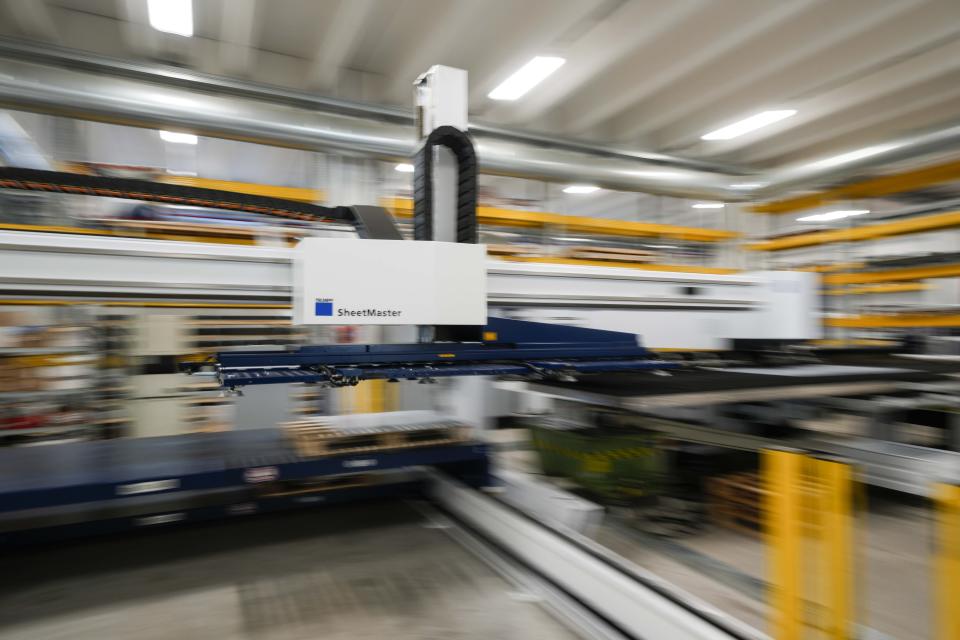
(323, 307)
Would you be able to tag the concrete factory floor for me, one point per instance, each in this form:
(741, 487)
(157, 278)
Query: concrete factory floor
(359, 572)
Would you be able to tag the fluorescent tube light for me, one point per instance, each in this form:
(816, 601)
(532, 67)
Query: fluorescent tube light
(747, 186)
(833, 215)
(708, 205)
(575, 239)
(171, 16)
(404, 168)
(526, 77)
(580, 188)
(747, 125)
(657, 175)
(853, 156)
(177, 137)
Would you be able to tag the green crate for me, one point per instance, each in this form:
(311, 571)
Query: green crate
(610, 463)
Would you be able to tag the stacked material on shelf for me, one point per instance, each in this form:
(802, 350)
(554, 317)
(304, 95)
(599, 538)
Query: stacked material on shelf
(47, 368)
(319, 436)
(735, 502)
(739, 501)
(514, 250)
(611, 254)
(204, 231)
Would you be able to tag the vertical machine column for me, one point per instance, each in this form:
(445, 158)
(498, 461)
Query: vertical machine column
(440, 100)
(445, 175)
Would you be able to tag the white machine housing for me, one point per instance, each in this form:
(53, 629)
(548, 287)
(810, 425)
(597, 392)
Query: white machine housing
(668, 310)
(340, 281)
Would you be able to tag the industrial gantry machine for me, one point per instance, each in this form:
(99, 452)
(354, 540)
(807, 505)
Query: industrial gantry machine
(437, 281)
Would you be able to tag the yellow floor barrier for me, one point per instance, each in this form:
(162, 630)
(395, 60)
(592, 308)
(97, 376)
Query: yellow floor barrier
(809, 525)
(783, 473)
(835, 516)
(947, 566)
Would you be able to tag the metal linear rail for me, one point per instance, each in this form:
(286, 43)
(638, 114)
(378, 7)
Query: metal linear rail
(892, 465)
(634, 602)
(560, 604)
(768, 394)
(37, 263)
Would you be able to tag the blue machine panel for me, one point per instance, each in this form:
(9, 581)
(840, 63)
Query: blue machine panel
(104, 470)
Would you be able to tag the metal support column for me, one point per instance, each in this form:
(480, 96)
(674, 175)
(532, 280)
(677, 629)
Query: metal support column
(440, 99)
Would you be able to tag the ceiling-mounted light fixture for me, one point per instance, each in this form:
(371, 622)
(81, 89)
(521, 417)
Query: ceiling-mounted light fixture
(171, 16)
(580, 189)
(833, 215)
(404, 168)
(178, 138)
(853, 156)
(708, 205)
(526, 77)
(747, 186)
(754, 122)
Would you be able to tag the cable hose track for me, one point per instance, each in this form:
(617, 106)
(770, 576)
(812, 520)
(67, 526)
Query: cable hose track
(461, 146)
(136, 189)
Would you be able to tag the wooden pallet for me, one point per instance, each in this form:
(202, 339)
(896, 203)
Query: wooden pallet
(737, 502)
(734, 502)
(313, 439)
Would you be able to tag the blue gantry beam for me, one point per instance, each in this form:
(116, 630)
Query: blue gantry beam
(509, 348)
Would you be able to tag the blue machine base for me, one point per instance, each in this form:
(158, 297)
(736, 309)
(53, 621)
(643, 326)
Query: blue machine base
(218, 472)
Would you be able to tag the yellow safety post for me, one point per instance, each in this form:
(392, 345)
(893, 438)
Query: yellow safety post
(370, 396)
(376, 390)
(811, 525)
(391, 396)
(783, 475)
(834, 485)
(947, 569)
